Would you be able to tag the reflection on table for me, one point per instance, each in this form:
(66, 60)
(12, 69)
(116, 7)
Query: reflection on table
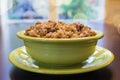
(102, 74)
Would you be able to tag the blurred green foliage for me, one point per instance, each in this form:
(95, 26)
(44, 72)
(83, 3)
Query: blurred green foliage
(78, 9)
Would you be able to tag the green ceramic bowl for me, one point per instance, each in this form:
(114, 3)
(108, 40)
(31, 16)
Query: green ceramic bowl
(60, 52)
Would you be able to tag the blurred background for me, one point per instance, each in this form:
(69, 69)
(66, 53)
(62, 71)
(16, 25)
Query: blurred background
(16, 15)
(66, 9)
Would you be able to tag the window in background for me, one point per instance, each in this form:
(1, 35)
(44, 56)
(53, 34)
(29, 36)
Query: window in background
(66, 9)
(28, 9)
(81, 9)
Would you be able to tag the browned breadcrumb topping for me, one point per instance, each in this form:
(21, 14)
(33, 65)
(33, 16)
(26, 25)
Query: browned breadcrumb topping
(51, 29)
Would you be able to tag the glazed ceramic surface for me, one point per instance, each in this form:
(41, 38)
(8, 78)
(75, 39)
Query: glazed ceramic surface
(62, 52)
(99, 59)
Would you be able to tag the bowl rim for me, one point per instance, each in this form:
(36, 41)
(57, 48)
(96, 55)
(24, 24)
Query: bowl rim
(21, 35)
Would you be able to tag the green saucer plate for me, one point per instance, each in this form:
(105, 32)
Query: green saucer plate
(99, 59)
